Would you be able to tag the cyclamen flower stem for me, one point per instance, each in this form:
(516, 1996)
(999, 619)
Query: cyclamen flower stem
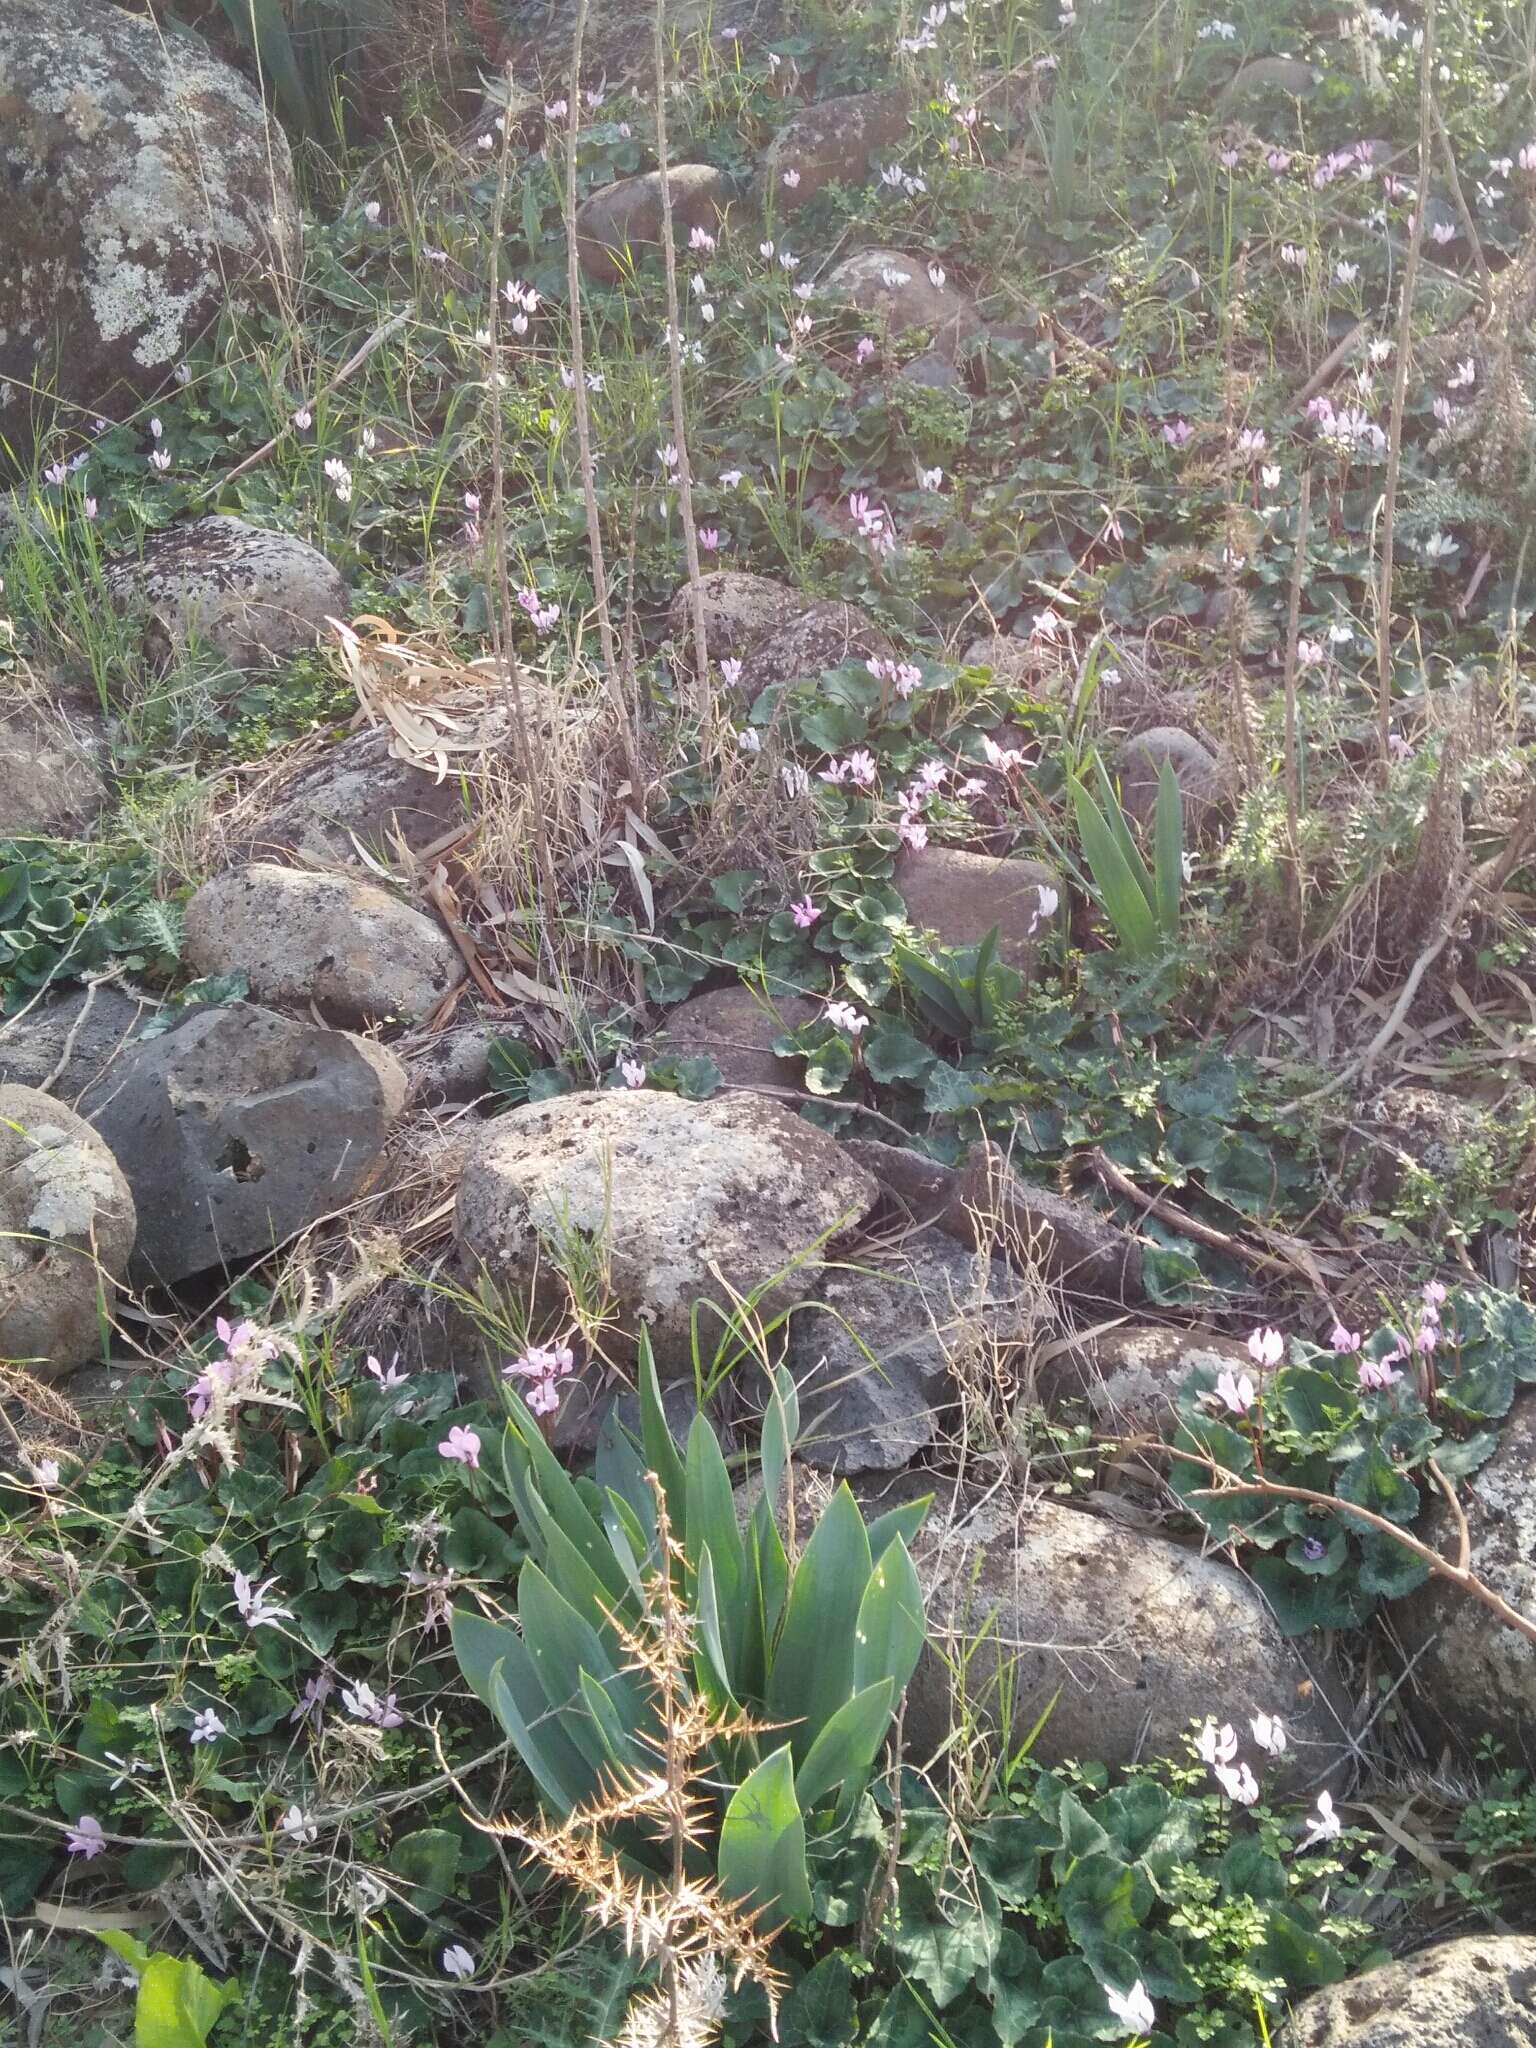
(675, 377)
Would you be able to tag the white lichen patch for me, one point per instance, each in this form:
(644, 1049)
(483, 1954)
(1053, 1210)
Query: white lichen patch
(65, 1183)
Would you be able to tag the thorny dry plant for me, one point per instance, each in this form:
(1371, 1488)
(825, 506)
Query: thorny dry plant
(683, 1924)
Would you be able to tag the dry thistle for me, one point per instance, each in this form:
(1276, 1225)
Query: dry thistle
(683, 1923)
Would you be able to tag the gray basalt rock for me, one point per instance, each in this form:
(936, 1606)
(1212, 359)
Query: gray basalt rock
(739, 608)
(50, 774)
(875, 1354)
(825, 636)
(1129, 1378)
(1116, 1642)
(252, 596)
(620, 224)
(1475, 1677)
(144, 188)
(237, 1129)
(960, 897)
(1203, 781)
(356, 952)
(69, 1041)
(894, 289)
(687, 1200)
(66, 1230)
(833, 143)
(1479, 1992)
(736, 1028)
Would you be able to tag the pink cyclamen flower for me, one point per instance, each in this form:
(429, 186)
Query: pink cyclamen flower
(1238, 1782)
(864, 349)
(709, 539)
(1375, 1375)
(85, 1838)
(1176, 432)
(1345, 1342)
(632, 1073)
(1434, 1298)
(730, 669)
(1326, 1825)
(390, 1376)
(462, 1445)
(1235, 1392)
(458, 1962)
(207, 1726)
(1133, 2009)
(1215, 1745)
(844, 1017)
(312, 1700)
(1269, 1734)
(1266, 1348)
(805, 913)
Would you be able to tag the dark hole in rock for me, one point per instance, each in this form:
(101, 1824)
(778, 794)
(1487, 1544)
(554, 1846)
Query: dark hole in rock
(236, 1161)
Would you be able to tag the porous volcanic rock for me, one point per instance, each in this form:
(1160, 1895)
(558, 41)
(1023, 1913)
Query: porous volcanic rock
(1478, 1992)
(253, 596)
(620, 224)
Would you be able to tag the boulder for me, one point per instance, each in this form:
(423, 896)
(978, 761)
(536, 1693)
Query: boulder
(1478, 1992)
(356, 952)
(66, 1231)
(69, 1041)
(1420, 1135)
(876, 1352)
(146, 188)
(739, 608)
(620, 224)
(823, 636)
(50, 780)
(454, 1064)
(919, 1189)
(960, 897)
(252, 596)
(1203, 781)
(1473, 1677)
(893, 289)
(832, 144)
(1133, 1638)
(1129, 1377)
(682, 1200)
(931, 371)
(735, 1027)
(239, 1128)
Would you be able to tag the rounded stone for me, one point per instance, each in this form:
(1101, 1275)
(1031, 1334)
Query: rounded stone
(1473, 1676)
(66, 1231)
(735, 1027)
(960, 897)
(679, 1202)
(50, 777)
(145, 188)
(252, 596)
(893, 288)
(739, 608)
(1479, 1992)
(823, 636)
(833, 143)
(1203, 783)
(1116, 1642)
(356, 952)
(1130, 1377)
(620, 224)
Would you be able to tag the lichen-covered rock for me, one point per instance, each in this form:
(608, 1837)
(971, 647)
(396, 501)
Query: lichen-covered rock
(1479, 1992)
(736, 1027)
(356, 952)
(822, 637)
(739, 608)
(1475, 1677)
(1203, 781)
(252, 596)
(1427, 1136)
(833, 143)
(50, 780)
(619, 225)
(1129, 1378)
(897, 291)
(960, 897)
(1113, 1641)
(66, 1230)
(877, 1351)
(144, 188)
(238, 1128)
(687, 1201)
